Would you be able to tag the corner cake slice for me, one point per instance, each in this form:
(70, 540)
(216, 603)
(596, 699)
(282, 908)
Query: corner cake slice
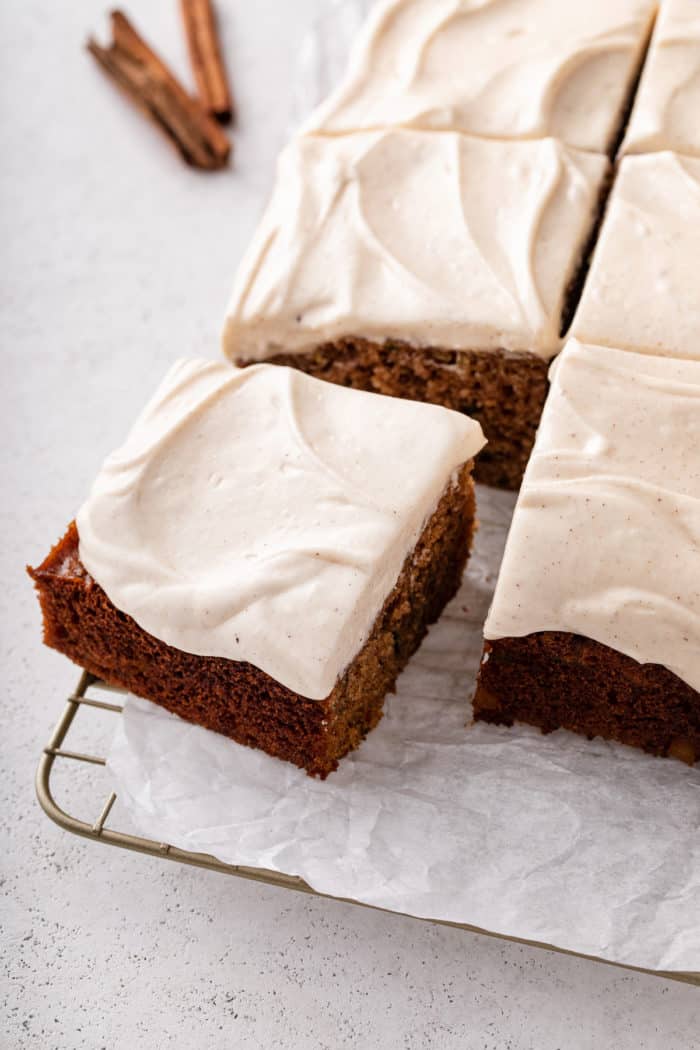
(666, 113)
(264, 554)
(435, 267)
(501, 69)
(643, 292)
(595, 623)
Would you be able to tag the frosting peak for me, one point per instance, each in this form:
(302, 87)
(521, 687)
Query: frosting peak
(493, 68)
(265, 516)
(436, 240)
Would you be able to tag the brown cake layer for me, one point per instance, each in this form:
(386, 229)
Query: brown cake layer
(505, 391)
(556, 680)
(237, 699)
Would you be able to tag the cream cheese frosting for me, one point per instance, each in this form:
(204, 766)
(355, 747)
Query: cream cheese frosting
(265, 516)
(643, 289)
(493, 68)
(605, 539)
(666, 113)
(437, 240)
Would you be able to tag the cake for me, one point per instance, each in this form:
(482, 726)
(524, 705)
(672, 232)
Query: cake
(643, 292)
(504, 69)
(665, 114)
(264, 553)
(595, 621)
(436, 267)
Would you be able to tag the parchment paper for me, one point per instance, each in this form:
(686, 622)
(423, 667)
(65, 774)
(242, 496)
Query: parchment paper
(585, 845)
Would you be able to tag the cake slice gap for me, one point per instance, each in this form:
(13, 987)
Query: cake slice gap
(431, 266)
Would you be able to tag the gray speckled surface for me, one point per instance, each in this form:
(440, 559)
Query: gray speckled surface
(116, 259)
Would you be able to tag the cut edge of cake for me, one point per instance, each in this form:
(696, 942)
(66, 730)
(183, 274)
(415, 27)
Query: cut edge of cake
(592, 628)
(489, 373)
(234, 697)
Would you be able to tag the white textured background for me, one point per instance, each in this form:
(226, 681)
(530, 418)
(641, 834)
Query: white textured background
(115, 259)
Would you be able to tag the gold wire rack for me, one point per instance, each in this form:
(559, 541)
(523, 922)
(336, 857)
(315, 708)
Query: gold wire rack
(99, 830)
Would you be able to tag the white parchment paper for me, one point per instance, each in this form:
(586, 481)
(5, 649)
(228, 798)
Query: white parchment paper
(585, 845)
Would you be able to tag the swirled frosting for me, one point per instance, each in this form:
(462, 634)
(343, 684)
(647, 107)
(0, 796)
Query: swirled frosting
(605, 539)
(265, 516)
(438, 240)
(666, 112)
(495, 68)
(643, 289)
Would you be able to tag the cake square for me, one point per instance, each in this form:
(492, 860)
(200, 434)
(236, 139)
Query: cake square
(667, 107)
(642, 292)
(264, 553)
(436, 267)
(512, 69)
(595, 621)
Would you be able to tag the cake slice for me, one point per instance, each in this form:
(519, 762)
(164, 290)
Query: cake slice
(643, 292)
(264, 553)
(511, 69)
(666, 113)
(435, 267)
(595, 622)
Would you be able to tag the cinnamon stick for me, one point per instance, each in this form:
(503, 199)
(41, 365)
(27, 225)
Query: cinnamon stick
(150, 84)
(205, 56)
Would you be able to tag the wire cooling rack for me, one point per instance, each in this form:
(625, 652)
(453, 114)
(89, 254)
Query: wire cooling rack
(99, 829)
